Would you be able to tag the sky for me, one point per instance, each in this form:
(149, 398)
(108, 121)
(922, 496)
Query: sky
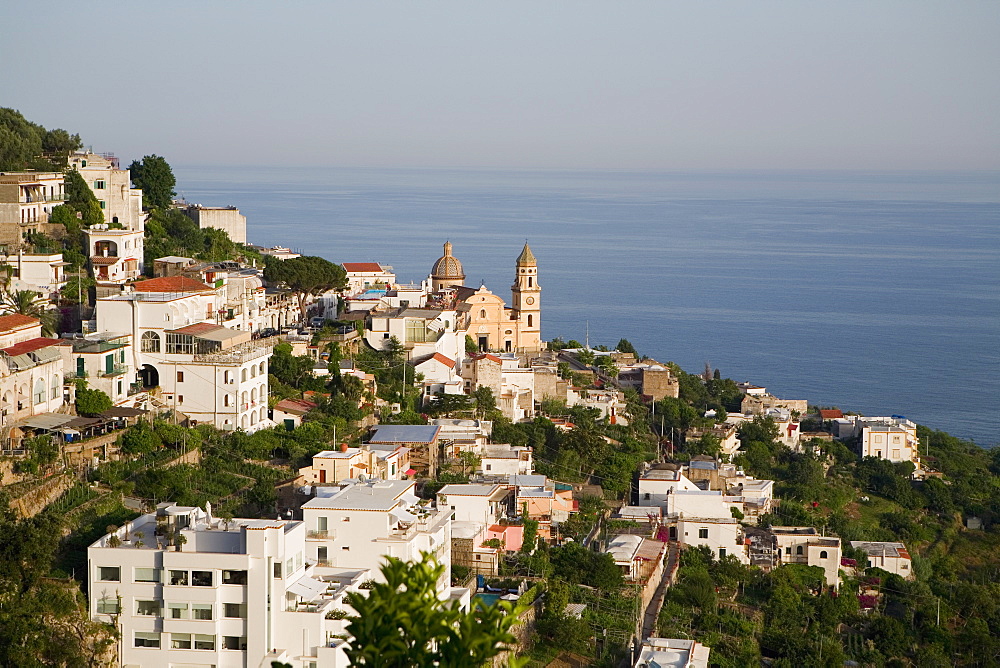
(668, 85)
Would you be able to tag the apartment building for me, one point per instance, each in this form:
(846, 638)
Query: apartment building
(225, 218)
(208, 372)
(187, 589)
(31, 369)
(26, 200)
(111, 185)
(104, 360)
(357, 525)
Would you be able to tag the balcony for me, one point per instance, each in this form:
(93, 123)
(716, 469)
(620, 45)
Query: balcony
(116, 370)
(241, 353)
(321, 534)
(34, 199)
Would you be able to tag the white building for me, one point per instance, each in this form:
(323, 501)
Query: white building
(225, 218)
(484, 504)
(230, 595)
(120, 202)
(363, 522)
(891, 557)
(506, 459)
(43, 273)
(672, 653)
(116, 256)
(31, 369)
(26, 200)
(724, 536)
(655, 484)
(805, 545)
(208, 372)
(362, 276)
(104, 360)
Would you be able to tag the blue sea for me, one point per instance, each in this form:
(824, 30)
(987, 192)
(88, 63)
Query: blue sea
(874, 292)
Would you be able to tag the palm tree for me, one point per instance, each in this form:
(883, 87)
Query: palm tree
(31, 304)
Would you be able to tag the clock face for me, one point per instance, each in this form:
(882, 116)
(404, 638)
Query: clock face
(529, 301)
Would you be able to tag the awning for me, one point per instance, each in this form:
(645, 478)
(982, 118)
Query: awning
(308, 588)
(404, 516)
(48, 421)
(409, 471)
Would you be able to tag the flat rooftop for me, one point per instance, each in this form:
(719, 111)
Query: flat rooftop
(374, 495)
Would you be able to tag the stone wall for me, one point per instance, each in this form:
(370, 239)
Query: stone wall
(35, 500)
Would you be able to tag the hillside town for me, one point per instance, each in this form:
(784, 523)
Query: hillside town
(238, 444)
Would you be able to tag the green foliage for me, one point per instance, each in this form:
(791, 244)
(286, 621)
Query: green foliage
(140, 439)
(80, 199)
(575, 564)
(403, 623)
(77, 289)
(625, 346)
(91, 401)
(154, 176)
(43, 452)
(170, 232)
(306, 276)
(27, 145)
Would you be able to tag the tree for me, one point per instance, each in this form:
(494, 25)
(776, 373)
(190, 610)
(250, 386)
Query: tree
(154, 176)
(91, 401)
(624, 346)
(81, 199)
(31, 304)
(403, 623)
(306, 276)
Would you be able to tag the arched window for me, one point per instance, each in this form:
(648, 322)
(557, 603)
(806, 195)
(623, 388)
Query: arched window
(150, 342)
(39, 390)
(530, 320)
(244, 421)
(262, 368)
(225, 400)
(529, 281)
(798, 550)
(482, 313)
(228, 377)
(56, 387)
(822, 555)
(253, 395)
(253, 371)
(243, 376)
(244, 401)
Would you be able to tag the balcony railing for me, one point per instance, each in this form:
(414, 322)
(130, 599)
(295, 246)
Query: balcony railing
(116, 370)
(243, 352)
(32, 199)
(320, 533)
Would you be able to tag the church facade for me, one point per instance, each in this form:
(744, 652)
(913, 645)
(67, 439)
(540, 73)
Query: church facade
(484, 316)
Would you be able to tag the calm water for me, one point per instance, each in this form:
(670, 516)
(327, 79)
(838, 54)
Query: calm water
(877, 292)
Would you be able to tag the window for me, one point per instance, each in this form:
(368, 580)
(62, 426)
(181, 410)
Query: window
(702, 533)
(147, 575)
(798, 550)
(150, 342)
(180, 398)
(489, 467)
(235, 610)
(145, 639)
(482, 314)
(40, 391)
(180, 376)
(99, 184)
(177, 611)
(322, 554)
(202, 641)
(234, 577)
(234, 642)
(201, 611)
(108, 606)
(147, 608)
(102, 203)
(228, 377)
(788, 550)
(109, 574)
(277, 569)
(179, 578)
(180, 641)
(243, 375)
(225, 400)
(646, 496)
(201, 578)
(722, 552)
(822, 555)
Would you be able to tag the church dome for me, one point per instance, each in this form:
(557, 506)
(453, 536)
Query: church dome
(448, 266)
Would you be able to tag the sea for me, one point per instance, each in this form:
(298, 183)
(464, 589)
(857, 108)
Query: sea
(875, 292)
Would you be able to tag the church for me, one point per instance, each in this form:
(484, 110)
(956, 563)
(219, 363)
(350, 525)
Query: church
(484, 316)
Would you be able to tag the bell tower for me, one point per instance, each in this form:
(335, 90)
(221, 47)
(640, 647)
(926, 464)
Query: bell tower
(526, 300)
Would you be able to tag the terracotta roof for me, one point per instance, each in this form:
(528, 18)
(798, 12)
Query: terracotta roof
(363, 266)
(195, 329)
(101, 260)
(16, 321)
(295, 406)
(831, 413)
(447, 361)
(30, 345)
(171, 284)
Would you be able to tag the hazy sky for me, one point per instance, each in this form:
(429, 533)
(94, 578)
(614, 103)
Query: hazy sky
(658, 84)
